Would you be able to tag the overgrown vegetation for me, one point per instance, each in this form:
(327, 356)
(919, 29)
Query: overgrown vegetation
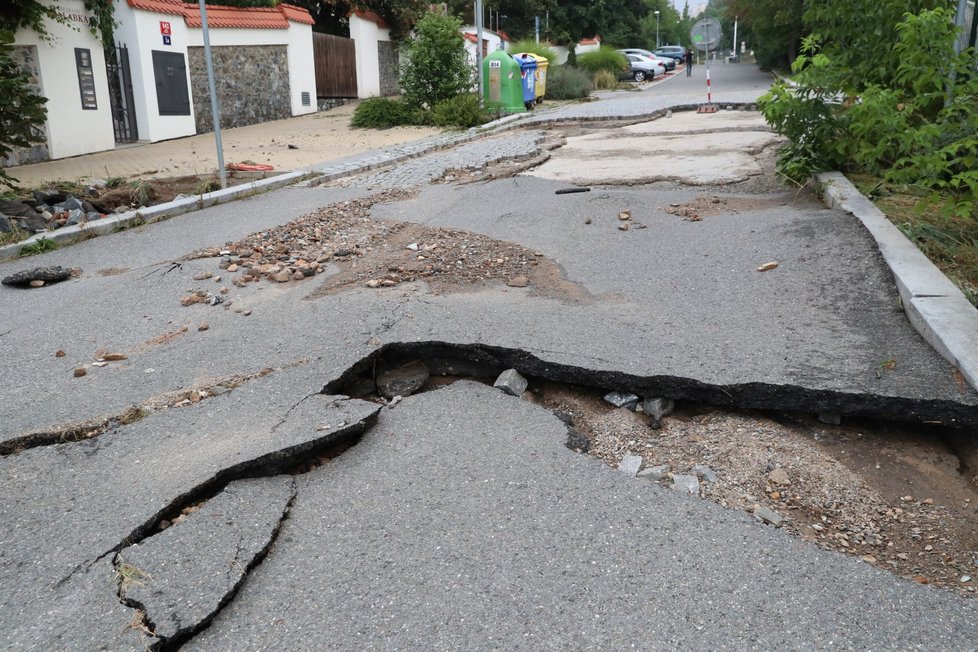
(436, 68)
(907, 117)
(531, 46)
(39, 246)
(22, 111)
(383, 113)
(605, 80)
(604, 58)
(460, 111)
(568, 83)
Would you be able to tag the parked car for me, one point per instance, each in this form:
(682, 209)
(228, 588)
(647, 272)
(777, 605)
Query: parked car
(641, 68)
(668, 62)
(676, 52)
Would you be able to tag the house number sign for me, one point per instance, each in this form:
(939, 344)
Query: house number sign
(86, 79)
(166, 32)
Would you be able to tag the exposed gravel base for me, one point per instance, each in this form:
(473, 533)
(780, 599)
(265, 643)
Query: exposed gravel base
(890, 495)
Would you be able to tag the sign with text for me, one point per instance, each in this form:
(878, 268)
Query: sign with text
(165, 28)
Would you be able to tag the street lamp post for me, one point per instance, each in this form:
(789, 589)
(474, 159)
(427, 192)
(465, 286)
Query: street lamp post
(657, 46)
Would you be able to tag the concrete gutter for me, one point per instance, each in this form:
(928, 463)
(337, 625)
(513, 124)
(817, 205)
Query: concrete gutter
(933, 304)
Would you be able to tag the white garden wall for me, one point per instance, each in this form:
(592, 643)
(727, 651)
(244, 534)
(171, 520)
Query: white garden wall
(70, 128)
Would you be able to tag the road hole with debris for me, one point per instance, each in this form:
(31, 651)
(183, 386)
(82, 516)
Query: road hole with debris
(892, 494)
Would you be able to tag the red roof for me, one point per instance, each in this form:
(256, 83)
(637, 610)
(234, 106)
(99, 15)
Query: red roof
(296, 14)
(372, 17)
(591, 41)
(220, 16)
(469, 36)
(252, 17)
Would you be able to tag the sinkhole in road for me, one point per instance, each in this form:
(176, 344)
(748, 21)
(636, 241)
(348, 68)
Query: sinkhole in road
(883, 484)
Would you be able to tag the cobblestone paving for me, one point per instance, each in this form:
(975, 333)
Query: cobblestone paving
(471, 155)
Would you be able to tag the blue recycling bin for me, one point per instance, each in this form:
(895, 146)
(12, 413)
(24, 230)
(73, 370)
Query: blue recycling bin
(528, 73)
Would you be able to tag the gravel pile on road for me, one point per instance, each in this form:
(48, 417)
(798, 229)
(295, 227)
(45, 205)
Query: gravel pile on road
(359, 251)
(895, 500)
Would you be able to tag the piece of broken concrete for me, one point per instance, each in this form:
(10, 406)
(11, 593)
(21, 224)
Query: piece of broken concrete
(184, 575)
(622, 399)
(687, 484)
(769, 516)
(511, 382)
(705, 473)
(402, 381)
(630, 465)
(655, 473)
(658, 408)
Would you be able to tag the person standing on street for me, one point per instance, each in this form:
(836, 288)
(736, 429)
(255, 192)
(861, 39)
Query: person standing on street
(689, 63)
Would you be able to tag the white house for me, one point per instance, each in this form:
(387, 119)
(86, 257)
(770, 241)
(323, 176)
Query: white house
(155, 87)
(69, 70)
(263, 64)
(491, 41)
(377, 58)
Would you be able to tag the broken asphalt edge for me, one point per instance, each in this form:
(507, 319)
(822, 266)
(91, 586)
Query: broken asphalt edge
(750, 395)
(933, 304)
(274, 462)
(319, 174)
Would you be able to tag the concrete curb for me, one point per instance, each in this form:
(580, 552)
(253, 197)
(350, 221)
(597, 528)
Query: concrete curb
(934, 305)
(159, 212)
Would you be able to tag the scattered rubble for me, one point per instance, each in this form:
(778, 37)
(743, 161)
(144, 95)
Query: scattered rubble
(631, 465)
(360, 251)
(844, 488)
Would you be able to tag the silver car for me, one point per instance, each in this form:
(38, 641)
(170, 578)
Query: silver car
(668, 62)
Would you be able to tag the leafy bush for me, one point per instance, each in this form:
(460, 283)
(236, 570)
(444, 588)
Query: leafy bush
(539, 49)
(460, 111)
(920, 130)
(604, 58)
(566, 83)
(22, 111)
(436, 68)
(605, 80)
(383, 113)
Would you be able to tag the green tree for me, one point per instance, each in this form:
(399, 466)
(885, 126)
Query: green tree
(773, 29)
(22, 111)
(859, 35)
(436, 68)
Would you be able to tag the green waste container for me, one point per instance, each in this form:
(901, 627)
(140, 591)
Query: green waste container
(542, 65)
(502, 83)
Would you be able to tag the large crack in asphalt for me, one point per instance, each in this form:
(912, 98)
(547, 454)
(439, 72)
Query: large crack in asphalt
(486, 360)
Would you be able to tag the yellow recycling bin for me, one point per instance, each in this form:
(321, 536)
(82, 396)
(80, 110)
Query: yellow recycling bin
(541, 73)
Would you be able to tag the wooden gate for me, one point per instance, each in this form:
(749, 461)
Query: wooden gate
(336, 65)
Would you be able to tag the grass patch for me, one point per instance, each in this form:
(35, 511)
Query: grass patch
(39, 246)
(949, 242)
(128, 576)
(14, 236)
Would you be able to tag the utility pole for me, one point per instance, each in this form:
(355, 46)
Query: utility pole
(736, 49)
(657, 46)
(478, 47)
(215, 106)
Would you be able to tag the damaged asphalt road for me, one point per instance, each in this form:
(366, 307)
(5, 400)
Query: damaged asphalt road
(460, 520)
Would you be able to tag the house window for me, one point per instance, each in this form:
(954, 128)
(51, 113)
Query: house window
(170, 70)
(86, 79)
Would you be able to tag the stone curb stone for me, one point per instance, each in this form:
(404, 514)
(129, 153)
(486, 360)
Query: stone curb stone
(934, 305)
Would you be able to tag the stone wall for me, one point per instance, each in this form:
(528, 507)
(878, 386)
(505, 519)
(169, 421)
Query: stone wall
(389, 62)
(327, 103)
(26, 57)
(252, 84)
